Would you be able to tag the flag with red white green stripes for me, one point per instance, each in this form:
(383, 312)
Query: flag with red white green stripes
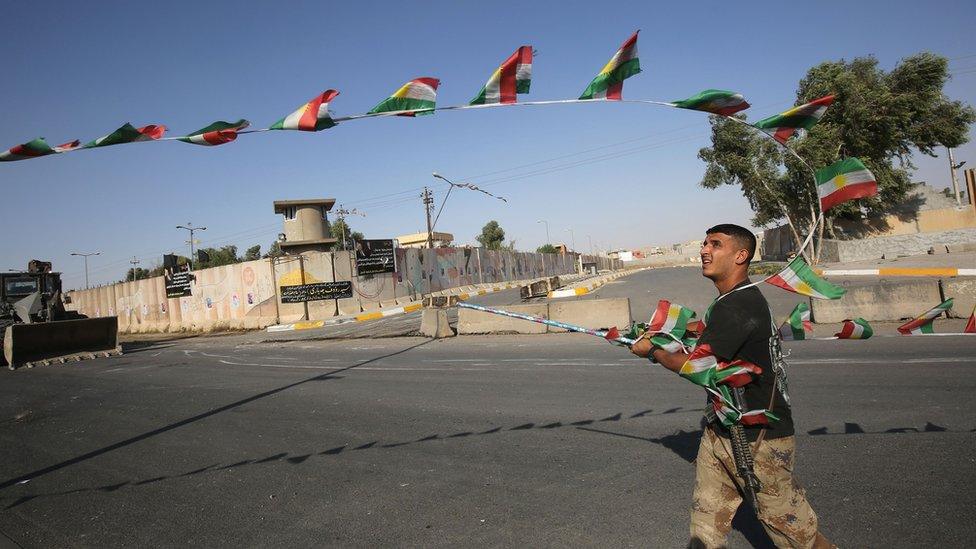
(128, 134)
(418, 96)
(844, 180)
(798, 323)
(799, 278)
(721, 102)
(855, 329)
(35, 149)
(923, 323)
(669, 324)
(704, 368)
(310, 117)
(218, 133)
(609, 84)
(782, 126)
(513, 77)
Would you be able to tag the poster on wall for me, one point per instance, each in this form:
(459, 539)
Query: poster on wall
(177, 279)
(316, 291)
(375, 257)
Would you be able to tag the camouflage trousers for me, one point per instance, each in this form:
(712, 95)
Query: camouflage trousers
(784, 511)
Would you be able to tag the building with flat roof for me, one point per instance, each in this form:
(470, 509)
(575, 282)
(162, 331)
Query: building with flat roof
(419, 240)
(306, 225)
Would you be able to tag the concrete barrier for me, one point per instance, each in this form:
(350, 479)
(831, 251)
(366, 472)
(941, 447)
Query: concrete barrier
(478, 322)
(591, 313)
(882, 299)
(27, 343)
(963, 294)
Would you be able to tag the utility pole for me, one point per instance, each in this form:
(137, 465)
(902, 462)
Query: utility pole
(86, 264)
(572, 238)
(191, 228)
(133, 262)
(428, 199)
(341, 214)
(952, 171)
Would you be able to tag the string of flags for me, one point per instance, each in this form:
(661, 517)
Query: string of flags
(419, 97)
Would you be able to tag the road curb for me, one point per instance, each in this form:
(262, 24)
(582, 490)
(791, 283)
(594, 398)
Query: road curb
(899, 271)
(583, 290)
(384, 313)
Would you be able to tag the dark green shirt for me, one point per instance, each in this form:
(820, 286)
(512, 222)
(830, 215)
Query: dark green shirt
(738, 326)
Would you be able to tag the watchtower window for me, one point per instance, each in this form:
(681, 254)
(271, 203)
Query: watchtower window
(290, 212)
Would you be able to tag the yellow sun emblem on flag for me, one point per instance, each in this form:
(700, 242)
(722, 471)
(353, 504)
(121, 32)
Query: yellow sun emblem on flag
(840, 181)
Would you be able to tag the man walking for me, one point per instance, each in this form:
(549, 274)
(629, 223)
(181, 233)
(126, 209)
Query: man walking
(738, 327)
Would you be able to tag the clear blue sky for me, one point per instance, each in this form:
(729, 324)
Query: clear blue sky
(80, 70)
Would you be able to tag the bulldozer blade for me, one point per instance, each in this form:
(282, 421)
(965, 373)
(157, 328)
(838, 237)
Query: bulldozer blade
(26, 344)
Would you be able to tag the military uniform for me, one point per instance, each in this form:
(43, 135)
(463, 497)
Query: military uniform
(738, 326)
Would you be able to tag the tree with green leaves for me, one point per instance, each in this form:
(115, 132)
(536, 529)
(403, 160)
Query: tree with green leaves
(252, 253)
(225, 255)
(880, 117)
(136, 273)
(345, 237)
(492, 236)
(274, 250)
(546, 249)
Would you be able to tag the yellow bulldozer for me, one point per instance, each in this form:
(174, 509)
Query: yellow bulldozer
(37, 329)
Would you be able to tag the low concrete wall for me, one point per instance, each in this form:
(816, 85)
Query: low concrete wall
(839, 251)
(471, 321)
(591, 313)
(963, 294)
(874, 299)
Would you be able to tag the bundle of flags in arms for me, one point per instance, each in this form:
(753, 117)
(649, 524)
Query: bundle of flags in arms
(674, 328)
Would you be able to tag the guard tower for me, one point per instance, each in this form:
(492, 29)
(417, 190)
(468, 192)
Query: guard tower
(306, 225)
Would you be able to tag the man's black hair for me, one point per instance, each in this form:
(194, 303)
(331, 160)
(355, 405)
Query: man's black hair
(742, 236)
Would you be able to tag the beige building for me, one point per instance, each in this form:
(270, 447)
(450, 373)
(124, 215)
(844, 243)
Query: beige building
(419, 240)
(306, 224)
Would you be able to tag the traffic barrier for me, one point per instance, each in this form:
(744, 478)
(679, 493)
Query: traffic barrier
(591, 313)
(63, 340)
(878, 300)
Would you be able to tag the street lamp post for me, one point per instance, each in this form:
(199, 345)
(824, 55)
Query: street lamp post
(548, 238)
(86, 264)
(572, 237)
(591, 243)
(191, 228)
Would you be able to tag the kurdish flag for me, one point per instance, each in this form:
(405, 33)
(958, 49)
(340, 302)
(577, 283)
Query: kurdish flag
(418, 95)
(844, 180)
(721, 102)
(971, 325)
(717, 376)
(513, 77)
(799, 278)
(706, 369)
(218, 133)
(310, 117)
(796, 326)
(610, 82)
(855, 329)
(670, 322)
(783, 126)
(923, 324)
(36, 148)
(128, 134)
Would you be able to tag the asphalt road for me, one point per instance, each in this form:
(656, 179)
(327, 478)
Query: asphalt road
(554, 440)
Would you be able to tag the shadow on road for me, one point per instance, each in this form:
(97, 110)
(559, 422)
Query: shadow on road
(285, 457)
(138, 438)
